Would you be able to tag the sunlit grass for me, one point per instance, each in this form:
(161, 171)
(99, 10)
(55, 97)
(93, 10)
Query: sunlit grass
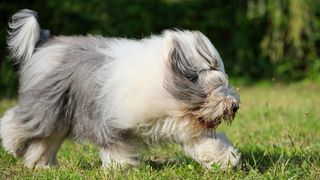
(277, 130)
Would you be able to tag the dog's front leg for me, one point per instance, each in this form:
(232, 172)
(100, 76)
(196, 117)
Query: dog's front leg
(201, 144)
(212, 149)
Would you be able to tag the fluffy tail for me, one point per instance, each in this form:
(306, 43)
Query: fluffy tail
(24, 34)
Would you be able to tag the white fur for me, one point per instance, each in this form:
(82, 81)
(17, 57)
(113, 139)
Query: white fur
(213, 149)
(142, 96)
(10, 138)
(22, 42)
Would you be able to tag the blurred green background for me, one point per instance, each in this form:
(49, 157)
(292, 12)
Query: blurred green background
(259, 40)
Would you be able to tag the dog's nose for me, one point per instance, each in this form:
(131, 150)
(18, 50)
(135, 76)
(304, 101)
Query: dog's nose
(235, 107)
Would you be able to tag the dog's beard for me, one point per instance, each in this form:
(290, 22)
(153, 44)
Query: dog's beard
(216, 109)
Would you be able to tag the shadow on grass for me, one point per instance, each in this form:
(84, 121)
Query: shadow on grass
(262, 160)
(159, 163)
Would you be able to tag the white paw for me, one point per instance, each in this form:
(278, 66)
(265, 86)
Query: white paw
(214, 149)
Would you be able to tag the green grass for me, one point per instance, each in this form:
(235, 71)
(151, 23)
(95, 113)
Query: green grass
(277, 130)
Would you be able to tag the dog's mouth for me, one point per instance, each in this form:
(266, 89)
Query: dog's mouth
(227, 117)
(211, 124)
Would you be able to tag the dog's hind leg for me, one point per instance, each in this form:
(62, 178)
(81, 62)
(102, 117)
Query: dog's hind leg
(42, 152)
(18, 140)
(13, 134)
(121, 154)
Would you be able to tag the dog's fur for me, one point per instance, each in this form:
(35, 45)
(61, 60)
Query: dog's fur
(120, 94)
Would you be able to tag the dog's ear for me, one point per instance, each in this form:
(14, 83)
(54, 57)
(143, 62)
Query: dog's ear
(180, 57)
(182, 76)
(208, 52)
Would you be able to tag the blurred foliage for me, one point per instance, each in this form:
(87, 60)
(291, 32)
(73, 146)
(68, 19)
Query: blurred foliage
(291, 37)
(257, 39)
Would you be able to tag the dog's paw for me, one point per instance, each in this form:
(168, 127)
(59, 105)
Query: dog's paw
(213, 151)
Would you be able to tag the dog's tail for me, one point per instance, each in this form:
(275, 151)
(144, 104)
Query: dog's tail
(24, 34)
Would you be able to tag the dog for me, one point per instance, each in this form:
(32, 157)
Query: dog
(120, 94)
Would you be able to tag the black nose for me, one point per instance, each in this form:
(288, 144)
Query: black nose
(235, 107)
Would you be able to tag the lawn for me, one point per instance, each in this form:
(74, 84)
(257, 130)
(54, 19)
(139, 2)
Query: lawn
(277, 130)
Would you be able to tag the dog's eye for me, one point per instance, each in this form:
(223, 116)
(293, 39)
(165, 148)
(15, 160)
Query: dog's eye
(193, 78)
(213, 68)
(209, 69)
(202, 70)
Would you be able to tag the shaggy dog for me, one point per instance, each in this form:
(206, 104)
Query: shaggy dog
(120, 94)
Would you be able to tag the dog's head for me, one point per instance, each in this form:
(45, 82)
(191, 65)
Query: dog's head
(197, 80)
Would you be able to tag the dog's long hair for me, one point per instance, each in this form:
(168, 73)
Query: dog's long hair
(107, 89)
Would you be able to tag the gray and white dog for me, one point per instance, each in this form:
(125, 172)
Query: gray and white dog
(120, 94)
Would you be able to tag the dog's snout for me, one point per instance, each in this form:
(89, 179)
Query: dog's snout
(235, 107)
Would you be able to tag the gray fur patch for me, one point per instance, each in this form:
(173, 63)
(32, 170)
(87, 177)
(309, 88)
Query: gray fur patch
(182, 81)
(66, 98)
(45, 36)
(204, 51)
